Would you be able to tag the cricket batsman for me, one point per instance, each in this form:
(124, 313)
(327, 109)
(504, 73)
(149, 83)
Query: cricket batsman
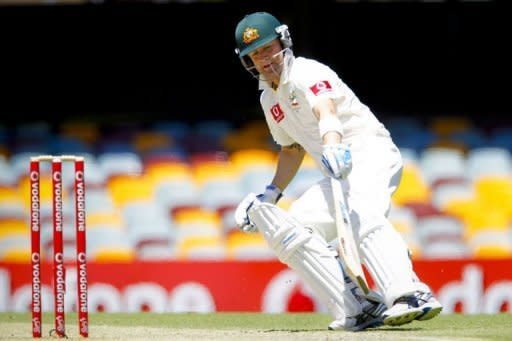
(309, 109)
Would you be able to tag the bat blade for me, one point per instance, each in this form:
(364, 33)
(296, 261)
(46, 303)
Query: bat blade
(347, 247)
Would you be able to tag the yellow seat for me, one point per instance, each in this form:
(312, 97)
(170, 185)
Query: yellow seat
(125, 189)
(144, 141)
(159, 172)
(253, 135)
(462, 208)
(207, 246)
(476, 215)
(495, 192)
(110, 219)
(45, 190)
(4, 151)
(84, 131)
(253, 160)
(492, 252)
(238, 242)
(248, 158)
(17, 255)
(256, 127)
(12, 227)
(444, 126)
(115, 255)
(238, 238)
(214, 171)
(413, 188)
(189, 216)
(9, 193)
(485, 218)
(192, 223)
(491, 243)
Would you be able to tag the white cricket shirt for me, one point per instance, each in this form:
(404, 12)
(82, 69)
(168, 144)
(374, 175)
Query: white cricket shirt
(289, 109)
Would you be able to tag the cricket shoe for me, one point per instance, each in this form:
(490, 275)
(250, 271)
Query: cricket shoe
(370, 317)
(420, 306)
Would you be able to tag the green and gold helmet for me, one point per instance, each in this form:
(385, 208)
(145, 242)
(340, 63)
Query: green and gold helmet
(256, 30)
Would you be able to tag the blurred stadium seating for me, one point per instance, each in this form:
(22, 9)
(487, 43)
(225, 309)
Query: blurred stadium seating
(169, 190)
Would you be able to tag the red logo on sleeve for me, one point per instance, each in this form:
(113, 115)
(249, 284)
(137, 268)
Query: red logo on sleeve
(321, 87)
(277, 113)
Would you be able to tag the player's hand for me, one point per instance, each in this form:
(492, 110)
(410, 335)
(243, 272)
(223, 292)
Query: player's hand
(271, 195)
(241, 217)
(337, 160)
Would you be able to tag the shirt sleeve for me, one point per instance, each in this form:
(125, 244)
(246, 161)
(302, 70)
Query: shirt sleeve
(278, 134)
(317, 81)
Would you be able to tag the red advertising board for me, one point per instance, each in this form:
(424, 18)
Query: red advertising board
(467, 286)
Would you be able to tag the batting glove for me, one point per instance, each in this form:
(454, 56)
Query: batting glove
(337, 160)
(271, 195)
(241, 216)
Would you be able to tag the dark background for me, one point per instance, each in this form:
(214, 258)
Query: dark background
(139, 61)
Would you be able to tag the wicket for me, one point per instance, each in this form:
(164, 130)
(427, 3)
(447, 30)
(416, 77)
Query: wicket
(59, 271)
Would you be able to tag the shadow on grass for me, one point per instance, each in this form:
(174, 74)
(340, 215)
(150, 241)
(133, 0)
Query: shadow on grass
(381, 329)
(294, 330)
(391, 329)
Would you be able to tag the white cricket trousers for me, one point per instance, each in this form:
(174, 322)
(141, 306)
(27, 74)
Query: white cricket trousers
(376, 172)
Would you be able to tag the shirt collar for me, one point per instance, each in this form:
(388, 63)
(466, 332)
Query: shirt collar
(263, 85)
(288, 62)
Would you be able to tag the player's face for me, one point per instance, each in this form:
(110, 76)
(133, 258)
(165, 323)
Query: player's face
(268, 60)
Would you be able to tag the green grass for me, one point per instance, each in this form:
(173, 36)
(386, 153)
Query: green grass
(249, 326)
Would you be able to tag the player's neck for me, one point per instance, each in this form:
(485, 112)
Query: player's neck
(274, 82)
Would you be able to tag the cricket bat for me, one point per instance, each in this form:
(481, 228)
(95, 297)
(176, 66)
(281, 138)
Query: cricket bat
(347, 248)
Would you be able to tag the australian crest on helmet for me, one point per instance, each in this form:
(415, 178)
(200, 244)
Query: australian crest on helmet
(250, 34)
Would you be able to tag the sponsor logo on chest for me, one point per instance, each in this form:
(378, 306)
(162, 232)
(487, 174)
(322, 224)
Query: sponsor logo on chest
(277, 113)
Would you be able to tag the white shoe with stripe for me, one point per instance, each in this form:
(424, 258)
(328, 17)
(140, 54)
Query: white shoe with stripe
(420, 306)
(370, 317)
